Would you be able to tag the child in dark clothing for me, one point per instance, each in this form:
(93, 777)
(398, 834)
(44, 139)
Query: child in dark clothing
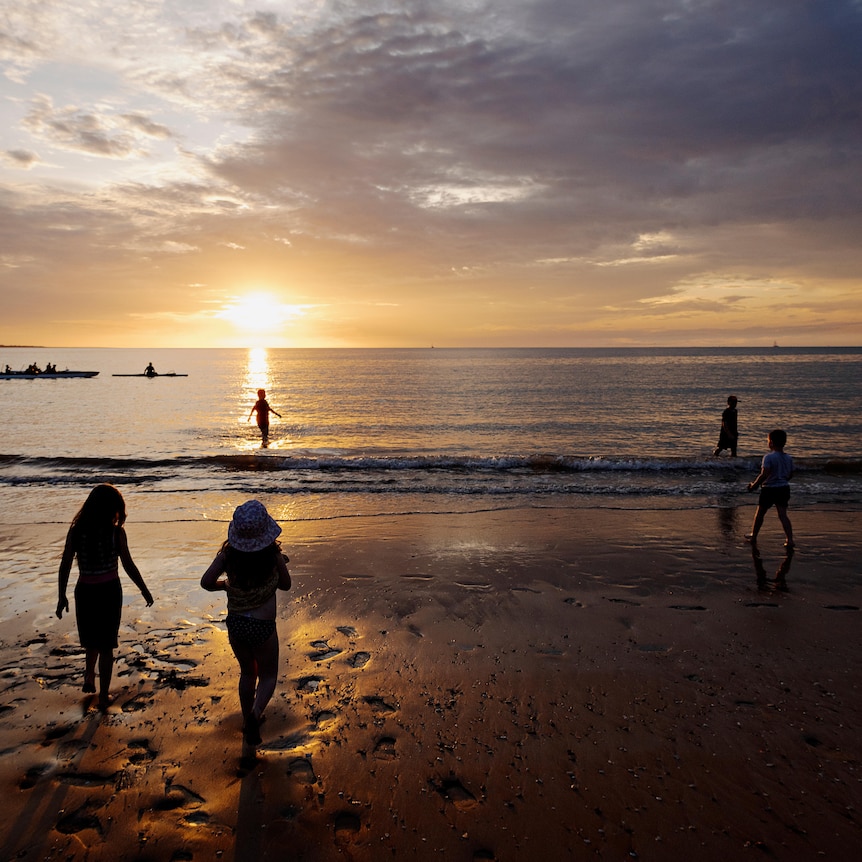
(729, 434)
(262, 408)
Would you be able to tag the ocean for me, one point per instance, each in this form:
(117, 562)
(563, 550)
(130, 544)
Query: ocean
(391, 431)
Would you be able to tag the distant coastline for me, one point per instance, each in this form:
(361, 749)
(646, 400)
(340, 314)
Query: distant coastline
(628, 350)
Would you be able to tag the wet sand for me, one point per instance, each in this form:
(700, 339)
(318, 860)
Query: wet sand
(496, 686)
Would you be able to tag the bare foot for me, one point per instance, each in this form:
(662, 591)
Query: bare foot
(251, 731)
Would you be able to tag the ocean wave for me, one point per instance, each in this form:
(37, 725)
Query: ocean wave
(523, 464)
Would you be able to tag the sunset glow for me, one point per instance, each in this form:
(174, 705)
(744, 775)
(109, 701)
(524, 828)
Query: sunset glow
(558, 172)
(259, 312)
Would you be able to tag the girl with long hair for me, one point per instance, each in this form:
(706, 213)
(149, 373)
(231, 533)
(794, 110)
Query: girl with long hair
(97, 538)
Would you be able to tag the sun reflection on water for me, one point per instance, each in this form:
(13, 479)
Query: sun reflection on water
(257, 376)
(257, 371)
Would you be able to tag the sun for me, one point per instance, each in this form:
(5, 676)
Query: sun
(258, 312)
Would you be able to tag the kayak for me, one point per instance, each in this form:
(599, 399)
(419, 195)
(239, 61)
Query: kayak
(46, 375)
(169, 374)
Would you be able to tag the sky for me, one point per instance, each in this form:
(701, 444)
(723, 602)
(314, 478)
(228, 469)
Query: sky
(410, 173)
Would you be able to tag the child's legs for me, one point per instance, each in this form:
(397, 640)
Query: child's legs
(106, 671)
(267, 669)
(247, 675)
(785, 522)
(758, 521)
(91, 656)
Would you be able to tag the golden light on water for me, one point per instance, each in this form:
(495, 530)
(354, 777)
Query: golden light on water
(257, 376)
(257, 370)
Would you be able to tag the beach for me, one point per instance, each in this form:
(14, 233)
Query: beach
(500, 685)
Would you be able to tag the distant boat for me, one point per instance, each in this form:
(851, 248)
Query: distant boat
(151, 375)
(45, 375)
(775, 344)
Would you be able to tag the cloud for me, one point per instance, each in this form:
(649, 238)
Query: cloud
(637, 116)
(146, 126)
(567, 154)
(91, 132)
(23, 159)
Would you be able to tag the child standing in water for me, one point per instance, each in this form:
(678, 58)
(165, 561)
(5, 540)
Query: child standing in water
(98, 539)
(775, 473)
(254, 569)
(728, 437)
(262, 408)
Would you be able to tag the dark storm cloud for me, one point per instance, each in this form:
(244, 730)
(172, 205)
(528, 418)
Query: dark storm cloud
(635, 115)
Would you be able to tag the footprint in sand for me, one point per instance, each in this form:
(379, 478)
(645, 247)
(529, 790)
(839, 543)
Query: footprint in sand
(302, 770)
(300, 739)
(359, 660)
(79, 820)
(453, 791)
(178, 796)
(141, 751)
(346, 824)
(308, 684)
(196, 818)
(324, 651)
(347, 631)
(139, 702)
(35, 774)
(378, 704)
(385, 748)
(57, 732)
(322, 718)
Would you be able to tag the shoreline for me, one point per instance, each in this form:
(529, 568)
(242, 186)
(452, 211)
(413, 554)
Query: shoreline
(504, 685)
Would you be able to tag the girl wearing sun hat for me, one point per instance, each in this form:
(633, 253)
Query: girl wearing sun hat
(254, 569)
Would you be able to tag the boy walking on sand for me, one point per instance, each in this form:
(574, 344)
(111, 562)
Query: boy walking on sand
(775, 472)
(262, 408)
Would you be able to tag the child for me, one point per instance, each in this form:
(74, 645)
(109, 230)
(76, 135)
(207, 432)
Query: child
(254, 568)
(775, 473)
(98, 539)
(262, 408)
(729, 434)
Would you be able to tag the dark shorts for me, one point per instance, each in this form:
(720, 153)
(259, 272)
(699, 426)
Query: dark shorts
(98, 608)
(249, 631)
(770, 497)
